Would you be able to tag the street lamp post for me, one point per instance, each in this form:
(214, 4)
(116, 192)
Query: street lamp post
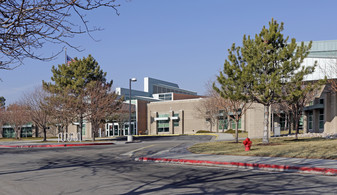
(130, 138)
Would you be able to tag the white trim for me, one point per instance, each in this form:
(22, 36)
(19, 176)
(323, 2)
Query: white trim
(161, 119)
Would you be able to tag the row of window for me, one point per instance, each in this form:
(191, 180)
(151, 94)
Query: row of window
(163, 125)
(160, 89)
(223, 124)
(320, 119)
(10, 133)
(165, 96)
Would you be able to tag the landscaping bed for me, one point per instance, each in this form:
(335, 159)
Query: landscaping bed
(278, 147)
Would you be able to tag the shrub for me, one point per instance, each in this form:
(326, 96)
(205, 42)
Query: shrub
(203, 131)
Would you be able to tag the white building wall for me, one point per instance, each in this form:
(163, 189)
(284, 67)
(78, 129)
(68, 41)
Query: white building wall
(325, 67)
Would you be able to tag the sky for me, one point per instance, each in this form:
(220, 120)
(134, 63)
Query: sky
(180, 41)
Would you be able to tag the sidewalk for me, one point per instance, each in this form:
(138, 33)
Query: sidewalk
(314, 166)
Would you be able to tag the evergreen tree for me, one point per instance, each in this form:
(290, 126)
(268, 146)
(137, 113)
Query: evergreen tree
(260, 69)
(272, 61)
(233, 86)
(73, 78)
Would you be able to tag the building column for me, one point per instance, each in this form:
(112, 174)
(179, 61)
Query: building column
(305, 122)
(315, 121)
(181, 121)
(171, 126)
(155, 123)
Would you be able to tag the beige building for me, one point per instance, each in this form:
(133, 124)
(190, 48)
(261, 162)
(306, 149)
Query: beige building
(184, 117)
(175, 117)
(319, 116)
(181, 117)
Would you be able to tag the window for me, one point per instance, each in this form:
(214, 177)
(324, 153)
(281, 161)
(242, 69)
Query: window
(321, 101)
(165, 96)
(8, 133)
(176, 122)
(116, 130)
(233, 124)
(223, 124)
(300, 123)
(321, 119)
(26, 132)
(155, 89)
(83, 129)
(163, 125)
(310, 120)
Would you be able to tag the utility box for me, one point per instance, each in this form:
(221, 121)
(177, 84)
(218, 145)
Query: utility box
(277, 131)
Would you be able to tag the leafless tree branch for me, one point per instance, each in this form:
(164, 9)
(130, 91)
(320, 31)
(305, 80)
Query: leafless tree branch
(25, 26)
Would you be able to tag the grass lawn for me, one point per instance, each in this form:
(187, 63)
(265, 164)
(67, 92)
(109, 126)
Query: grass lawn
(278, 147)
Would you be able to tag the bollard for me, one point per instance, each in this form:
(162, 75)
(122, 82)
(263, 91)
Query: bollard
(247, 144)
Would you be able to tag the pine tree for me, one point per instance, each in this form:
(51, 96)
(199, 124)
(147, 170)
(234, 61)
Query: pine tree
(260, 69)
(73, 79)
(272, 61)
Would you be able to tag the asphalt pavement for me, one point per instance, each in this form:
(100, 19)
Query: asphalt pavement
(183, 156)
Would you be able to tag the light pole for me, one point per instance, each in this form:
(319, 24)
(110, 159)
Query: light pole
(130, 138)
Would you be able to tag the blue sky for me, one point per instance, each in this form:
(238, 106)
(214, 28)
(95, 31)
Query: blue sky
(181, 41)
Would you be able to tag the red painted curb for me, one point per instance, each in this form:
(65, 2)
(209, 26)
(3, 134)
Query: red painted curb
(52, 145)
(327, 171)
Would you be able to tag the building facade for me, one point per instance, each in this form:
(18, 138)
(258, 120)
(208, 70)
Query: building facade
(155, 90)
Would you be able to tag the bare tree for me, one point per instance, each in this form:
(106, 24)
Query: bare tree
(2, 118)
(101, 102)
(61, 113)
(208, 109)
(297, 95)
(17, 116)
(27, 25)
(237, 109)
(283, 109)
(221, 103)
(38, 108)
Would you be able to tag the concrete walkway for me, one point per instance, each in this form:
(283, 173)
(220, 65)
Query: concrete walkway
(224, 137)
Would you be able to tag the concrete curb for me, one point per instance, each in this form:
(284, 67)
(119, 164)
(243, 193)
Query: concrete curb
(282, 168)
(52, 145)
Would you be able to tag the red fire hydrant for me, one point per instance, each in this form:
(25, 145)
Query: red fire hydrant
(247, 144)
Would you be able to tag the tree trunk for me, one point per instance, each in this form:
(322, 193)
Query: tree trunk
(36, 131)
(236, 131)
(265, 138)
(44, 134)
(93, 136)
(290, 124)
(81, 126)
(66, 136)
(296, 118)
(285, 121)
(18, 134)
(93, 130)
